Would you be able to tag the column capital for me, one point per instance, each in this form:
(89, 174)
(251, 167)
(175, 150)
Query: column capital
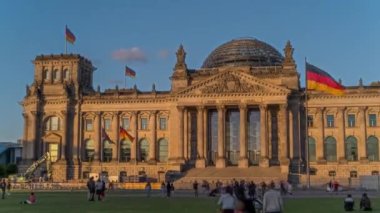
(362, 108)
(243, 106)
(263, 107)
(283, 107)
(98, 113)
(220, 107)
(200, 108)
(180, 108)
(341, 109)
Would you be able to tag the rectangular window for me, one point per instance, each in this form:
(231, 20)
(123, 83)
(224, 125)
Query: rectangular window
(372, 120)
(54, 123)
(351, 120)
(53, 150)
(46, 74)
(330, 120)
(310, 121)
(107, 124)
(89, 126)
(144, 123)
(162, 123)
(125, 123)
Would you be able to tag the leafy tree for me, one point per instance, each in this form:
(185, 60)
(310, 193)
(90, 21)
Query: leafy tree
(11, 169)
(2, 171)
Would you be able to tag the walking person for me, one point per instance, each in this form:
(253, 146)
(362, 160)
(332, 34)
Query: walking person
(195, 187)
(272, 200)
(3, 186)
(9, 188)
(227, 201)
(168, 189)
(148, 188)
(99, 188)
(91, 189)
(163, 187)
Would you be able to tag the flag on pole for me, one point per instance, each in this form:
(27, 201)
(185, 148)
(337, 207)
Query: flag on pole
(319, 80)
(130, 72)
(70, 37)
(105, 136)
(124, 134)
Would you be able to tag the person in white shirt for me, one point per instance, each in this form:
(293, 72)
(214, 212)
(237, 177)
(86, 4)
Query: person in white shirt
(272, 200)
(227, 201)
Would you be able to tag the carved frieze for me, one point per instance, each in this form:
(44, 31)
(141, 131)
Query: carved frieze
(232, 84)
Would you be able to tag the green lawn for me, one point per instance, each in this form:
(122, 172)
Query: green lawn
(50, 202)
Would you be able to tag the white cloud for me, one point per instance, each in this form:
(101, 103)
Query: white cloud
(128, 55)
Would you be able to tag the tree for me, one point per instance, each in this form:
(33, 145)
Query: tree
(11, 169)
(2, 171)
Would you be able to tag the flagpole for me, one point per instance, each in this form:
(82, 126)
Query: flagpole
(65, 41)
(307, 132)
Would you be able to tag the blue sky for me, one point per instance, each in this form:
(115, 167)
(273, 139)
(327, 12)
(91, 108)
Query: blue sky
(339, 36)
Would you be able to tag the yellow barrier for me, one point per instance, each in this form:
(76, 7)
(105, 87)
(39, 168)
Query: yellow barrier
(140, 185)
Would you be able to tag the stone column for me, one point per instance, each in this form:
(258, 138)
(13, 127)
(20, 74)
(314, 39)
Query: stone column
(98, 137)
(34, 140)
(134, 145)
(291, 133)
(26, 143)
(153, 138)
(243, 161)
(180, 155)
(264, 160)
(205, 139)
(115, 131)
(64, 144)
(283, 138)
(362, 123)
(342, 135)
(200, 163)
(186, 137)
(221, 161)
(320, 137)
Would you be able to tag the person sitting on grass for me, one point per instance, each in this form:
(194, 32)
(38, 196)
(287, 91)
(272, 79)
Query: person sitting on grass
(365, 203)
(349, 203)
(31, 199)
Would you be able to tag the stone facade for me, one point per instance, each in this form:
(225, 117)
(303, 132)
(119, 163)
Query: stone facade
(238, 112)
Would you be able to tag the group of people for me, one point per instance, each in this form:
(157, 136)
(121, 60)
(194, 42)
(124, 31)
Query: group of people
(333, 186)
(167, 189)
(96, 187)
(238, 198)
(365, 203)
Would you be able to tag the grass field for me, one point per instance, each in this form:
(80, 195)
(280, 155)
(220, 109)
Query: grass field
(50, 202)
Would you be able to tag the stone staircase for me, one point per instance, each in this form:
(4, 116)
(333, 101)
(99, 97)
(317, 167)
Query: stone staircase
(226, 175)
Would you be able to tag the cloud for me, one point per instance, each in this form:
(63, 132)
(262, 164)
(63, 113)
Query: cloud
(163, 54)
(129, 55)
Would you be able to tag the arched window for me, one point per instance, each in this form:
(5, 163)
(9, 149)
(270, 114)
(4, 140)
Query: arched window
(143, 150)
(329, 149)
(45, 74)
(312, 150)
(351, 149)
(89, 150)
(55, 75)
(107, 151)
(163, 150)
(52, 123)
(66, 75)
(373, 148)
(125, 150)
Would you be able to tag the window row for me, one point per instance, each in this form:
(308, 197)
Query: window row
(56, 75)
(125, 123)
(350, 149)
(351, 120)
(126, 149)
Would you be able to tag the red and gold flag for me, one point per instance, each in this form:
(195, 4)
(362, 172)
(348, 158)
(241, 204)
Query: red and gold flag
(70, 37)
(124, 134)
(319, 80)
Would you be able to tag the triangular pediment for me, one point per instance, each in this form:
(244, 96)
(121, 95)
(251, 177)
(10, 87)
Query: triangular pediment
(234, 82)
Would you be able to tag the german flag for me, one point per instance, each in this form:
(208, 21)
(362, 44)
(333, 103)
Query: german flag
(70, 37)
(124, 134)
(319, 80)
(130, 72)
